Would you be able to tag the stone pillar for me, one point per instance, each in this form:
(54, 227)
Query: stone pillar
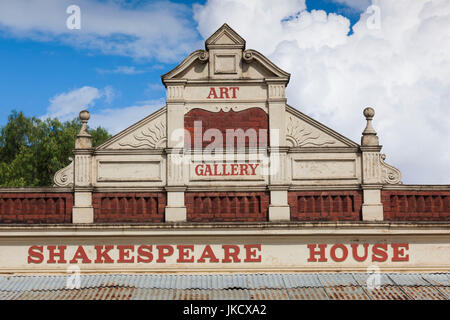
(175, 209)
(82, 211)
(372, 208)
(278, 179)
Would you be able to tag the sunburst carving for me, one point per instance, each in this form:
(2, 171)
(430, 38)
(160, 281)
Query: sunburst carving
(153, 136)
(301, 135)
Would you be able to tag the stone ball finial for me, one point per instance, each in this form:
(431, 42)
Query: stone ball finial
(85, 115)
(83, 134)
(369, 113)
(369, 137)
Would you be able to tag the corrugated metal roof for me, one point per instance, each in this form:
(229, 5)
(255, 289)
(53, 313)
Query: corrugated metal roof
(307, 293)
(386, 293)
(271, 286)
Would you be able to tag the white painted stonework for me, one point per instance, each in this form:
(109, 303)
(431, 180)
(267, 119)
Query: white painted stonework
(303, 154)
(280, 248)
(150, 153)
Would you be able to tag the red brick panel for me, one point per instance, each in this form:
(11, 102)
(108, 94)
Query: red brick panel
(253, 118)
(227, 206)
(416, 205)
(325, 205)
(129, 207)
(36, 207)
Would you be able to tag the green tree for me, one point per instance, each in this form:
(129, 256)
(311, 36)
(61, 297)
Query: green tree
(32, 150)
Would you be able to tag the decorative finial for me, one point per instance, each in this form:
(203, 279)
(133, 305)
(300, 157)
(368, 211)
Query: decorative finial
(369, 137)
(84, 117)
(84, 139)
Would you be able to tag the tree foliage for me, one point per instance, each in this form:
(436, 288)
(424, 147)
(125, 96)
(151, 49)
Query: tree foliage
(32, 150)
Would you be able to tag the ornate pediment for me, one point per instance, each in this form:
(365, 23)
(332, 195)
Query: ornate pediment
(149, 133)
(225, 58)
(304, 132)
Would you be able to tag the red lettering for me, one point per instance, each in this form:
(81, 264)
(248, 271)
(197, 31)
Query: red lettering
(313, 252)
(234, 169)
(244, 168)
(52, 254)
(197, 172)
(224, 92)
(207, 170)
(355, 252)
(35, 254)
(224, 170)
(80, 254)
(228, 253)
(378, 254)
(333, 252)
(250, 250)
(124, 254)
(164, 251)
(253, 167)
(103, 256)
(208, 253)
(233, 90)
(212, 92)
(183, 253)
(145, 251)
(399, 252)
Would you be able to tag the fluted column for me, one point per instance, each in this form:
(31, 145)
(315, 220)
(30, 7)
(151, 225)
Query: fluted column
(175, 210)
(278, 179)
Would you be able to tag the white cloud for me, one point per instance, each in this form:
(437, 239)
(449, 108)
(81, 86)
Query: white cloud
(116, 120)
(158, 29)
(401, 69)
(128, 70)
(67, 105)
(257, 21)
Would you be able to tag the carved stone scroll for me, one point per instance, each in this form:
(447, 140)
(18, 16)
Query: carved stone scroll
(390, 174)
(64, 176)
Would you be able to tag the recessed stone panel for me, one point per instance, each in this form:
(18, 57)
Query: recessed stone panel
(225, 63)
(324, 169)
(126, 171)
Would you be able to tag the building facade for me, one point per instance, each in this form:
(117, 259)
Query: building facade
(227, 177)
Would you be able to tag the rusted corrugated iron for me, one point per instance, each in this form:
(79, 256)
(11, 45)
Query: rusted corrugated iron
(422, 293)
(346, 293)
(306, 293)
(295, 286)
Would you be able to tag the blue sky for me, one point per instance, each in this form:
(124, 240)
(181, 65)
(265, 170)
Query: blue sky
(35, 71)
(343, 55)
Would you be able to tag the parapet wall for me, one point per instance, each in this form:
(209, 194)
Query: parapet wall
(54, 205)
(36, 205)
(416, 205)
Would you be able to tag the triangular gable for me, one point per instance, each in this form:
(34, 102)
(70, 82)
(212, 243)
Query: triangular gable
(225, 36)
(305, 132)
(149, 133)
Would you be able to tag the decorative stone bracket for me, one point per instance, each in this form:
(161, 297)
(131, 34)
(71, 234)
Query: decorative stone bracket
(64, 176)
